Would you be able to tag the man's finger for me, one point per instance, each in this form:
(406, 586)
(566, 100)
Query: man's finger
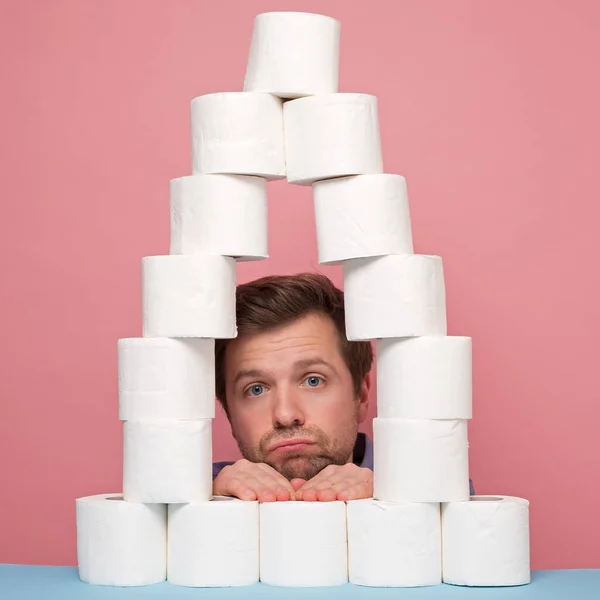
(239, 488)
(297, 483)
(355, 492)
(328, 494)
(310, 492)
(276, 475)
(282, 493)
(264, 489)
(322, 481)
(280, 486)
(314, 491)
(330, 473)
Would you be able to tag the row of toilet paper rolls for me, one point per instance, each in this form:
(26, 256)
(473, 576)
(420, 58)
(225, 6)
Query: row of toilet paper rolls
(230, 542)
(303, 140)
(415, 460)
(356, 216)
(393, 296)
(427, 377)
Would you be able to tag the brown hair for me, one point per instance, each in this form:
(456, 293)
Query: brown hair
(273, 301)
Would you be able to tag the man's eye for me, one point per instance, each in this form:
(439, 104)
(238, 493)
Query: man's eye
(255, 390)
(313, 381)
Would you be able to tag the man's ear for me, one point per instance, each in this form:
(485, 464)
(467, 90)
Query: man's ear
(363, 398)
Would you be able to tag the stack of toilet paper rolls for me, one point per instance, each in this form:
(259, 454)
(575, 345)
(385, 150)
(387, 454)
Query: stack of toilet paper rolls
(422, 527)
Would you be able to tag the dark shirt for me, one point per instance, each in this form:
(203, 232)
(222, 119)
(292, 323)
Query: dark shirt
(362, 456)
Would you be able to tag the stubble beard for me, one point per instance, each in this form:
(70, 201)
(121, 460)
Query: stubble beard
(302, 465)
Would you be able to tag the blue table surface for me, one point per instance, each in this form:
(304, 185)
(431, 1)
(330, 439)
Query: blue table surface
(62, 583)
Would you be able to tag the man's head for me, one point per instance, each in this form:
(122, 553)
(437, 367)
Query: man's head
(291, 375)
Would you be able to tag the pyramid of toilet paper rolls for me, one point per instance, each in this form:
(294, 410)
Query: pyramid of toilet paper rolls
(422, 527)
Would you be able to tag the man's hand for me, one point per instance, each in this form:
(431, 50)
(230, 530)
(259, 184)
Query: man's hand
(252, 481)
(346, 482)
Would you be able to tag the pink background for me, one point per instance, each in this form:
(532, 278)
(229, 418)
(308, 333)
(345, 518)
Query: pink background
(489, 109)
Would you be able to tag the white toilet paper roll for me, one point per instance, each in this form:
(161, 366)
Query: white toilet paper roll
(120, 543)
(331, 135)
(293, 54)
(303, 544)
(166, 378)
(426, 377)
(167, 461)
(400, 295)
(394, 544)
(486, 541)
(361, 216)
(189, 296)
(420, 460)
(239, 133)
(213, 544)
(219, 214)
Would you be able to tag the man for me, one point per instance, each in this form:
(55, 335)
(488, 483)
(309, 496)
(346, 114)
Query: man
(295, 391)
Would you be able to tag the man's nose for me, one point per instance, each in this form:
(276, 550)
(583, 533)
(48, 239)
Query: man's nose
(287, 410)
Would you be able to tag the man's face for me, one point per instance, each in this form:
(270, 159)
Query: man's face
(290, 397)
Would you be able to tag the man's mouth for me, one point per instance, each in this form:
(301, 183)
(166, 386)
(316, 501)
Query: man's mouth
(291, 445)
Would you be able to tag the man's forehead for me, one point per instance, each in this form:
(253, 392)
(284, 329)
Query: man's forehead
(311, 338)
(290, 353)
(313, 331)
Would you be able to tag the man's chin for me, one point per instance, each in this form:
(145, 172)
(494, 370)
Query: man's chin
(296, 465)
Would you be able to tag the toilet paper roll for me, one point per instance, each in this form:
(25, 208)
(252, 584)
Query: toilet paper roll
(486, 541)
(303, 544)
(166, 378)
(420, 460)
(189, 296)
(361, 216)
(426, 377)
(167, 461)
(394, 544)
(239, 133)
(120, 543)
(293, 54)
(213, 544)
(331, 135)
(219, 214)
(400, 295)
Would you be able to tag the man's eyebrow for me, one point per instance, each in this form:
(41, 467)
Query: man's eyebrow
(247, 374)
(306, 363)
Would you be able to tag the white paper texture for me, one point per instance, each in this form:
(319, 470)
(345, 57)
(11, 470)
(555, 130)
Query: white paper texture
(166, 378)
(331, 135)
(427, 377)
(401, 295)
(420, 460)
(189, 296)
(219, 214)
(362, 216)
(293, 54)
(240, 133)
(303, 544)
(486, 541)
(214, 544)
(394, 544)
(167, 461)
(120, 543)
